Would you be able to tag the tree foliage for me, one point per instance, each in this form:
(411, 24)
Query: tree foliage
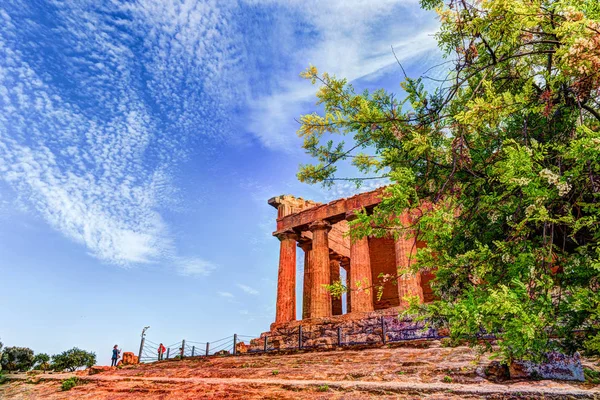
(41, 361)
(499, 168)
(17, 359)
(72, 359)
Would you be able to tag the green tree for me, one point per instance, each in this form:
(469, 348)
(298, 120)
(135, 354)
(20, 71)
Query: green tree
(72, 359)
(41, 361)
(499, 168)
(17, 359)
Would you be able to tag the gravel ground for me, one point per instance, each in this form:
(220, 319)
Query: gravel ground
(395, 373)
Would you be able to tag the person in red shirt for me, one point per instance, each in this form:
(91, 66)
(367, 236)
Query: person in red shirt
(161, 351)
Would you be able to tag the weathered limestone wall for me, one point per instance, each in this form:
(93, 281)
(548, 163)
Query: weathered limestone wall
(428, 295)
(383, 261)
(323, 332)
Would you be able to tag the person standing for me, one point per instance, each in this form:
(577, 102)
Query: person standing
(161, 351)
(115, 356)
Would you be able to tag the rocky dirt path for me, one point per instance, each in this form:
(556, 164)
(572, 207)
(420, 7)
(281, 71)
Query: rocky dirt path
(383, 373)
(274, 388)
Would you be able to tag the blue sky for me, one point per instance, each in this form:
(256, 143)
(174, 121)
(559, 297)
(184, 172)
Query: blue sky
(139, 143)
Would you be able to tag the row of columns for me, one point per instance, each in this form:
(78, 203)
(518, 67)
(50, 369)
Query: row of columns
(320, 270)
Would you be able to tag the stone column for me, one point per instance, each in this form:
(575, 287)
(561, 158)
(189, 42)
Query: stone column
(345, 263)
(286, 280)
(360, 271)
(409, 284)
(320, 299)
(334, 272)
(307, 286)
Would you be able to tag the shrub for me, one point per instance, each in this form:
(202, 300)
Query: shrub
(275, 372)
(447, 379)
(591, 376)
(70, 383)
(3, 378)
(72, 359)
(323, 388)
(17, 359)
(41, 361)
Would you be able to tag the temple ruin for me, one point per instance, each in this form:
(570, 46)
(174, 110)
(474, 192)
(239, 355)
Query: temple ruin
(320, 231)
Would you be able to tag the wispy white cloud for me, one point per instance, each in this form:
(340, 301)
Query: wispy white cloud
(90, 137)
(99, 109)
(194, 267)
(247, 289)
(353, 40)
(226, 294)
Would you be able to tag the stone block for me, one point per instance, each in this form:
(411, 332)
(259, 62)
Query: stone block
(96, 369)
(241, 348)
(556, 366)
(496, 372)
(129, 358)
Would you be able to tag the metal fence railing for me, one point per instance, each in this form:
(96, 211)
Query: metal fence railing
(293, 338)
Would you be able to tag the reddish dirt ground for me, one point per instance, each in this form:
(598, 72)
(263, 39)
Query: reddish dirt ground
(395, 373)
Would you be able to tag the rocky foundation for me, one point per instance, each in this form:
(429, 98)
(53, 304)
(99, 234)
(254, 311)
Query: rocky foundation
(341, 330)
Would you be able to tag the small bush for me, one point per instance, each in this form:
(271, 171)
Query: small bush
(3, 378)
(592, 376)
(323, 388)
(70, 383)
(447, 379)
(275, 372)
(451, 342)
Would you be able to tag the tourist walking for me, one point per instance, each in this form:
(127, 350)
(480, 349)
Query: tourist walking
(115, 356)
(161, 351)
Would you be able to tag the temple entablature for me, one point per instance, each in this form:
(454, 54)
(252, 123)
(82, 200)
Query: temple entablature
(287, 204)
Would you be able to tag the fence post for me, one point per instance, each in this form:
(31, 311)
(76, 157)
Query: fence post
(207, 347)
(383, 333)
(234, 344)
(193, 350)
(141, 349)
(300, 337)
(182, 349)
(168, 350)
(266, 340)
(339, 335)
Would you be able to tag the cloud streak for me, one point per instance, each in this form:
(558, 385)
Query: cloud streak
(98, 110)
(102, 101)
(247, 289)
(195, 267)
(348, 38)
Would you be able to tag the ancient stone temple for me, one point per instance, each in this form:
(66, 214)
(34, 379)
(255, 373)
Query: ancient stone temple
(319, 230)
